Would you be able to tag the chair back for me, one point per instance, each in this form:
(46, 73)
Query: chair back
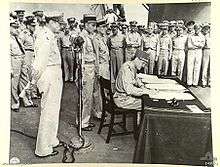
(106, 92)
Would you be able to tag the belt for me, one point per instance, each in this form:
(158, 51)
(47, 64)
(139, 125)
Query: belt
(195, 49)
(177, 49)
(116, 47)
(89, 62)
(17, 56)
(66, 47)
(31, 50)
(145, 49)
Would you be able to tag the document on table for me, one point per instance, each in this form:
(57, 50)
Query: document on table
(169, 87)
(194, 108)
(169, 95)
(153, 79)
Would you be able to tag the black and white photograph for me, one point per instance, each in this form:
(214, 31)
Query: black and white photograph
(110, 83)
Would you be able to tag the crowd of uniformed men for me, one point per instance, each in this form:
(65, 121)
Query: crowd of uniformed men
(40, 44)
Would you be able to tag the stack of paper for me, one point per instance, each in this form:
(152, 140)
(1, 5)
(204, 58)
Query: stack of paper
(194, 108)
(169, 95)
(169, 87)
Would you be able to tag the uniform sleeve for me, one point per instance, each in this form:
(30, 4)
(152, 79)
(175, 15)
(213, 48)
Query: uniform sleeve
(42, 51)
(129, 83)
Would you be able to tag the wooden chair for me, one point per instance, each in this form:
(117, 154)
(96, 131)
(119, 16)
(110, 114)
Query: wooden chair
(110, 107)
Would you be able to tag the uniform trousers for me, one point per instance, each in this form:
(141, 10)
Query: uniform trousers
(91, 95)
(163, 62)
(19, 77)
(194, 61)
(178, 59)
(29, 59)
(149, 69)
(116, 61)
(205, 66)
(68, 63)
(51, 85)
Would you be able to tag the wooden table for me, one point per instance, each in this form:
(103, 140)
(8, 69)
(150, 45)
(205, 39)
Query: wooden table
(173, 135)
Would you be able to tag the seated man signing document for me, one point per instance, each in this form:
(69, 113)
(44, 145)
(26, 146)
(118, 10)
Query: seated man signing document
(129, 88)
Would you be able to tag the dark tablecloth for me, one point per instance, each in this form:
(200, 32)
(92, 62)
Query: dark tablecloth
(173, 135)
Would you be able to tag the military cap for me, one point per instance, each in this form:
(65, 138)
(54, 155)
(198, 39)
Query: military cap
(141, 27)
(20, 12)
(197, 26)
(29, 17)
(142, 55)
(55, 16)
(133, 23)
(206, 25)
(101, 22)
(124, 26)
(180, 22)
(89, 18)
(190, 23)
(71, 19)
(179, 27)
(166, 22)
(30, 20)
(172, 23)
(114, 25)
(151, 24)
(163, 25)
(38, 13)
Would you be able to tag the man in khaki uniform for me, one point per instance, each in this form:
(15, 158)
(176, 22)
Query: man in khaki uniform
(18, 65)
(133, 41)
(151, 46)
(66, 45)
(20, 16)
(47, 75)
(102, 48)
(73, 32)
(90, 95)
(129, 88)
(116, 43)
(206, 56)
(178, 54)
(172, 28)
(165, 53)
(27, 38)
(195, 43)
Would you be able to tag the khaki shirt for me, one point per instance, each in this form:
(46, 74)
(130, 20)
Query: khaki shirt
(133, 39)
(116, 41)
(196, 41)
(89, 50)
(166, 43)
(126, 82)
(103, 52)
(179, 42)
(46, 52)
(27, 39)
(151, 42)
(15, 50)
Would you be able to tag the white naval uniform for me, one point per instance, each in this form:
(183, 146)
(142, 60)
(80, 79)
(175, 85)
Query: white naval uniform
(195, 43)
(47, 67)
